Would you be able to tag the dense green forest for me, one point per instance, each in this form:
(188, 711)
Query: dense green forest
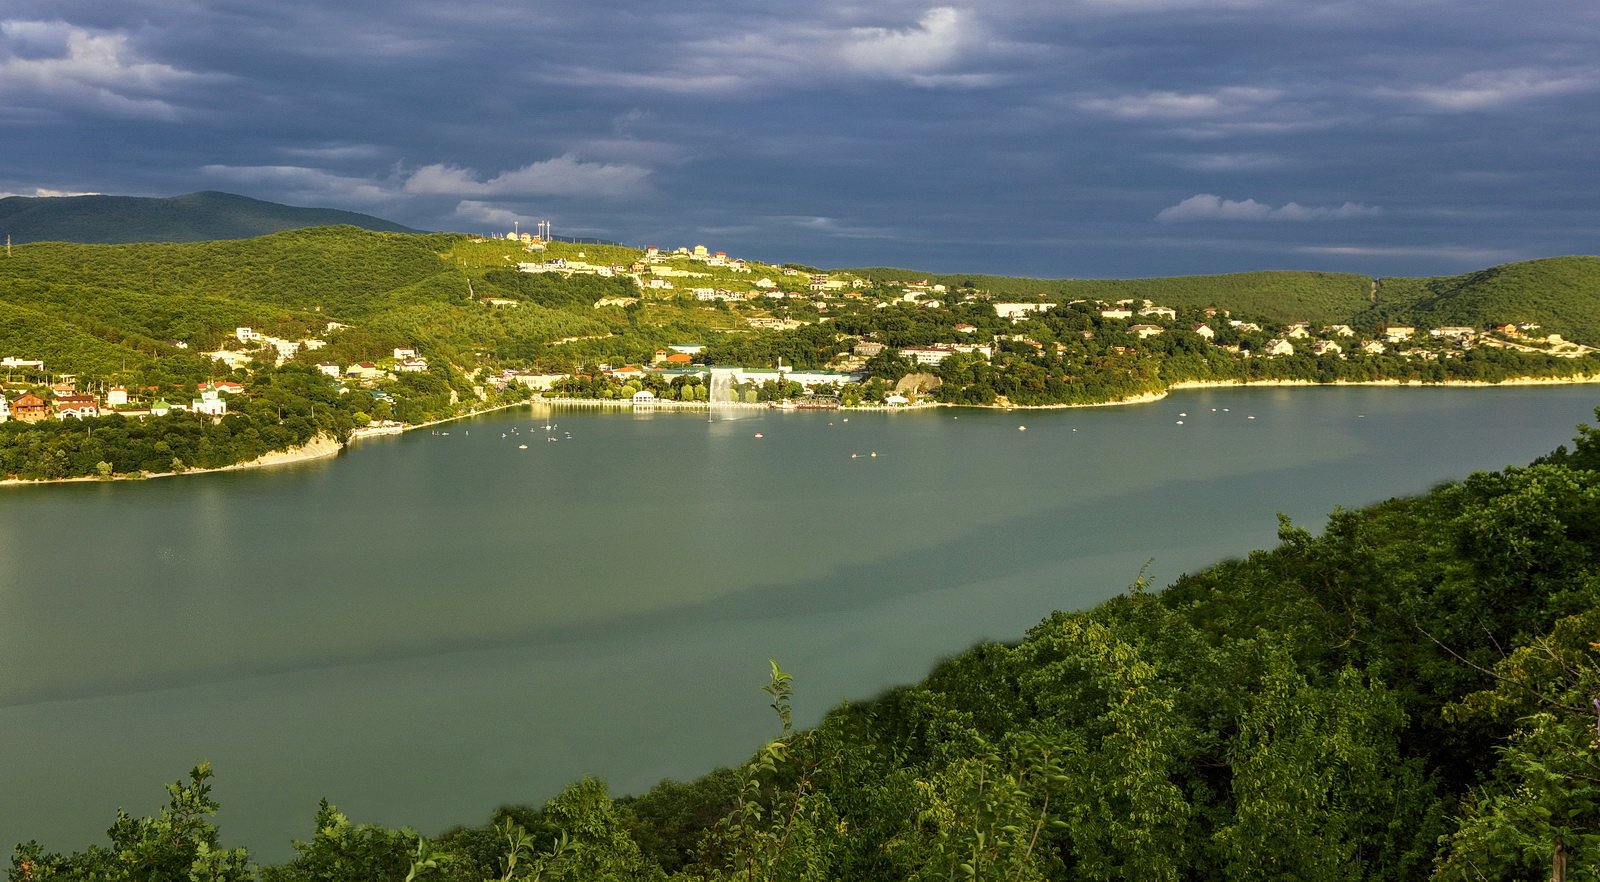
(1410, 693)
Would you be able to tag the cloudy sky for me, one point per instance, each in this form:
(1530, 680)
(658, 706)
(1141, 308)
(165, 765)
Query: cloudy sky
(1082, 138)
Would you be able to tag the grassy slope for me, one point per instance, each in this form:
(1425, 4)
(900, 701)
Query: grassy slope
(90, 308)
(195, 217)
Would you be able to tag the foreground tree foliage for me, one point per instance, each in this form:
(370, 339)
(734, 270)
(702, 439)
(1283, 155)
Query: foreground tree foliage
(1415, 692)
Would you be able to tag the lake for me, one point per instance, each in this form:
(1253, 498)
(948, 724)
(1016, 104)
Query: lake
(431, 625)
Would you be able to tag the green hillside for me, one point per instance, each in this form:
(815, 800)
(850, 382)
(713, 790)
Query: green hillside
(1562, 294)
(141, 313)
(1275, 296)
(93, 309)
(196, 217)
(97, 309)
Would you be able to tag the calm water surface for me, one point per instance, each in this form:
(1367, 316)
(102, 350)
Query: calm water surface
(432, 625)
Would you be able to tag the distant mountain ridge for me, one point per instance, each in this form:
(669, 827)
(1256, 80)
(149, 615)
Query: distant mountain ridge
(194, 217)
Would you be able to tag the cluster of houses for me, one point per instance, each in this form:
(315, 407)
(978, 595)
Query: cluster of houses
(255, 342)
(1334, 339)
(406, 361)
(65, 402)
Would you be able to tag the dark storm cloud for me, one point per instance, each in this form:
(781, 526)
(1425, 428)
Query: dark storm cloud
(1091, 137)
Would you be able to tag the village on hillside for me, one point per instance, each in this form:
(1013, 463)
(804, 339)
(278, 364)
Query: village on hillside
(872, 364)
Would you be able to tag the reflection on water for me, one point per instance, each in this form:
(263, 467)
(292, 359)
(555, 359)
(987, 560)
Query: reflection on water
(432, 625)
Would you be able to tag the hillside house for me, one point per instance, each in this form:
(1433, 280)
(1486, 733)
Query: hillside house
(1203, 330)
(1277, 346)
(76, 406)
(1326, 347)
(30, 408)
(1146, 331)
(232, 359)
(1397, 333)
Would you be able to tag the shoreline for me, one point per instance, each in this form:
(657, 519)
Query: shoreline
(1465, 384)
(323, 446)
(1184, 385)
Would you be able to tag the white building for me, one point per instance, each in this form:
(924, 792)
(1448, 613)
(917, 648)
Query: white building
(1019, 311)
(927, 354)
(209, 403)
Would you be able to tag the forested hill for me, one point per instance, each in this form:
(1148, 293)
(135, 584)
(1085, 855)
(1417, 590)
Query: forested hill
(1561, 293)
(1407, 695)
(196, 217)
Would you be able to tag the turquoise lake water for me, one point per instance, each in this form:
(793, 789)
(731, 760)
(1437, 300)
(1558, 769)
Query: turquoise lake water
(431, 625)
